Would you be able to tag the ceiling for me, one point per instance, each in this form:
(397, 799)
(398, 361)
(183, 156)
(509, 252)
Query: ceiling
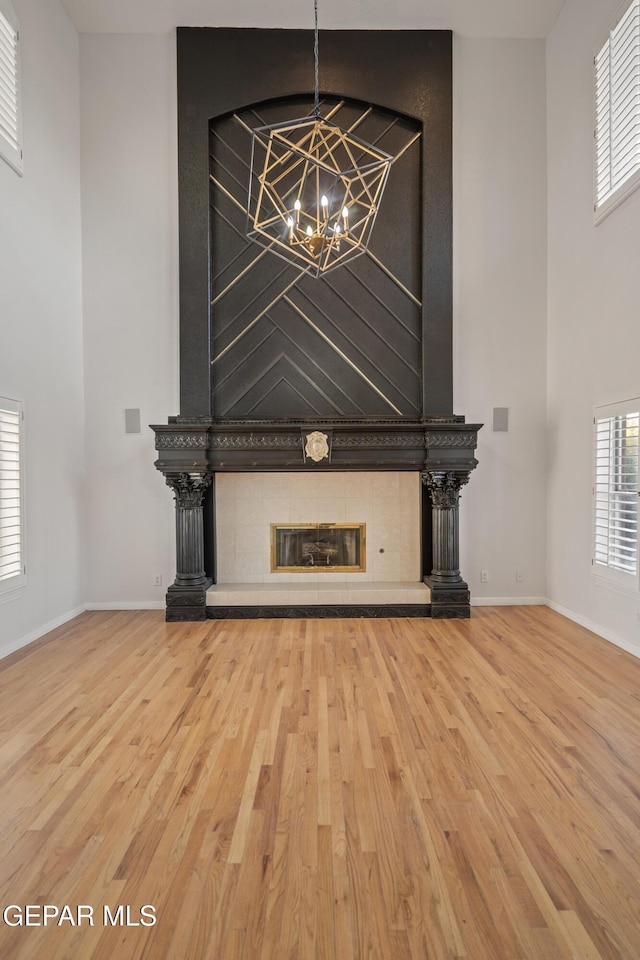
(480, 18)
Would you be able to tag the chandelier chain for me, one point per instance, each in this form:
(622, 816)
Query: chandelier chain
(316, 100)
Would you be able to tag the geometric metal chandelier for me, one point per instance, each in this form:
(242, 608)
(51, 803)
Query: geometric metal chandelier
(314, 189)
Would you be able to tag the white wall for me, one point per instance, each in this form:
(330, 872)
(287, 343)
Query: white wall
(129, 228)
(130, 282)
(41, 321)
(593, 315)
(500, 308)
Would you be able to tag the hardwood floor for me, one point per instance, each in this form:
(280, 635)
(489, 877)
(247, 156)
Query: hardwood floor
(310, 790)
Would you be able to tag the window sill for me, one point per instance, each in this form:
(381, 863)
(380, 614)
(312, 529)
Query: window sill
(618, 196)
(630, 591)
(10, 593)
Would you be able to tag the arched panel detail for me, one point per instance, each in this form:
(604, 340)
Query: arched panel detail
(284, 344)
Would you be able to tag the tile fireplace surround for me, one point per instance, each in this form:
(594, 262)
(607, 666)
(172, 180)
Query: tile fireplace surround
(248, 503)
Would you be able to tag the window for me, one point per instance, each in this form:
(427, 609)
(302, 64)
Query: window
(11, 495)
(616, 492)
(10, 104)
(617, 112)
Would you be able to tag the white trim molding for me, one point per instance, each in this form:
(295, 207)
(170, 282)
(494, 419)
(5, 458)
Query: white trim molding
(126, 605)
(6, 651)
(603, 632)
(508, 601)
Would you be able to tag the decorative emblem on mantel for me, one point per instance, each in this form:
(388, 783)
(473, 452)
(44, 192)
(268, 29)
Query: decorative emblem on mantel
(316, 447)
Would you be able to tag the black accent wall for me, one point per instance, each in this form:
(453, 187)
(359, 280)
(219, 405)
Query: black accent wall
(370, 340)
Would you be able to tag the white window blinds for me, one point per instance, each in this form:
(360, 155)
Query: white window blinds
(616, 491)
(10, 107)
(617, 112)
(11, 506)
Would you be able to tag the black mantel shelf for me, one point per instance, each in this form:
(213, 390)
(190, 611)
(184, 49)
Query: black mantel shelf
(355, 444)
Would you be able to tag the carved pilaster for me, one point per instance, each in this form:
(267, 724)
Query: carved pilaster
(449, 592)
(189, 490)
(444, 487)
(186, 596)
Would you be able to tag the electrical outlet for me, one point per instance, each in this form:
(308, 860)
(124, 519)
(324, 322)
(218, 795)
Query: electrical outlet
(484, 576)
(157, 580)
(519, 576)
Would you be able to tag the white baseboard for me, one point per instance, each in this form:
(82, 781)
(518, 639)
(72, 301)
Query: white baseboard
(609, 635)
(126, 605)
(508, 601)
(10, 648)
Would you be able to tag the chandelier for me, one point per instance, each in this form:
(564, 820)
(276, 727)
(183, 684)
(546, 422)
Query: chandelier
(314, 188)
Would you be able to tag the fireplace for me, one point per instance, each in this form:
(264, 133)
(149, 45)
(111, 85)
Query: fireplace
(286, 376)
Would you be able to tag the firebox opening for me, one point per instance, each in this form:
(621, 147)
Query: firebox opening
(318, 547)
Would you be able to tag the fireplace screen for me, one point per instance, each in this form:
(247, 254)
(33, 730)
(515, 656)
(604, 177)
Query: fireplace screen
(317, 547)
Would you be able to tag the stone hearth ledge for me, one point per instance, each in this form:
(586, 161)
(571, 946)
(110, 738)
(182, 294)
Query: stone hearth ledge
(312, 594)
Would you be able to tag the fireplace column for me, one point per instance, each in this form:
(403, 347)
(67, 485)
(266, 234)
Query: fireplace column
(449, 592)
(186, 597)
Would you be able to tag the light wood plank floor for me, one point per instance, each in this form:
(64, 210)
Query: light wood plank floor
(310, 790)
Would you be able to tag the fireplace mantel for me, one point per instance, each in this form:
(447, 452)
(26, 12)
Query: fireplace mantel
(192, 450)
(359, 444)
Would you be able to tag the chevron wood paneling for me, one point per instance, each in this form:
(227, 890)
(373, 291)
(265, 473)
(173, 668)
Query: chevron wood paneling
(285, 344)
